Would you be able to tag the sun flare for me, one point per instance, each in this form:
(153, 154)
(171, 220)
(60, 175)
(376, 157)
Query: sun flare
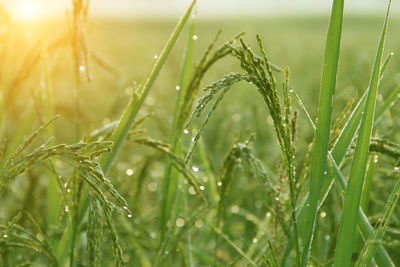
(26, 11)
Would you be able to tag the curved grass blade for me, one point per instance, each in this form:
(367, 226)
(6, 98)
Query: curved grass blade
(171, 175)
(344, 246)
(321, 139)
(129, 115)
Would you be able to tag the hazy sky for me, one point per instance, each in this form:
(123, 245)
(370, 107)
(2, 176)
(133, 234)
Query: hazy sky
(205, 7)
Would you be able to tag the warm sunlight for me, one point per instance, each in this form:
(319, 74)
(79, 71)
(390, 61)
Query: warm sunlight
(26, 10)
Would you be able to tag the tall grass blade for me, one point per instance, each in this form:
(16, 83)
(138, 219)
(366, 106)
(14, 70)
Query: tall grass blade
(170, 185)
(321, 139)
(129, 115)
(344, 246)
(366, 229)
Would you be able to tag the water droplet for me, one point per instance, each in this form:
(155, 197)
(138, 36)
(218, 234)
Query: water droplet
(193, 139)
(195, 169)
(125, 207)
(129, 91)
(234, 209)
(5, 236)
(396, 168)
(254, 240)
(65, 185)
(291, 90)
(268, 214)
(68, 190)
(322, 214)
(153, 235)
(40, 237)
(277, 198)
(186, 131)
(202, 188)
(82, 68)
(198, 223)
(155, 57)
(180, 222)
(192, 191)
(129, 172)
(66, 209)
(392, 53)
(325, 173)
(177, 88)
(327, 237)
(195, 37)
(152, 187)
(129, 215)
(219, 183)
(166, 252)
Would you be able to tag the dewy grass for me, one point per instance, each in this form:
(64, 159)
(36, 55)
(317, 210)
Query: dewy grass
(200, 196)
(136, 102)
(170, 185)
(352, 199)
(321, 138)
(365, 227)
(127, 120)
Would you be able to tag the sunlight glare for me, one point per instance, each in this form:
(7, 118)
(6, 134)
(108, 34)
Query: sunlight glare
(27, 11)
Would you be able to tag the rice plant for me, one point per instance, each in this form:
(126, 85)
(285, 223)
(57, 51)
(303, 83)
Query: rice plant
(221, 160)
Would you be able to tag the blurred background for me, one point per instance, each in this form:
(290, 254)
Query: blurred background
(121, 38)
(206, 8)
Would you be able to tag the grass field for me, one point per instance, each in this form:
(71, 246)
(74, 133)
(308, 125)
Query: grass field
(232, 175)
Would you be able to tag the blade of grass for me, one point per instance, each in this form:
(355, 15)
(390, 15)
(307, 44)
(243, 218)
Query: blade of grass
(263, 228)
(135, 104)
(123, 127)
(368, 181)
(321, 139)
(170, 185)
(382, 257)
(171, 176)
(394, 95)
(352, 199)
(233, 245)
(371, 245)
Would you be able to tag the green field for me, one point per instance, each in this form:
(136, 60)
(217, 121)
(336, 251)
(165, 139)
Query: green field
(234, 201)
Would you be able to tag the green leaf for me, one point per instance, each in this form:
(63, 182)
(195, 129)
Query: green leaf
(321, 139)
(350, 214)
